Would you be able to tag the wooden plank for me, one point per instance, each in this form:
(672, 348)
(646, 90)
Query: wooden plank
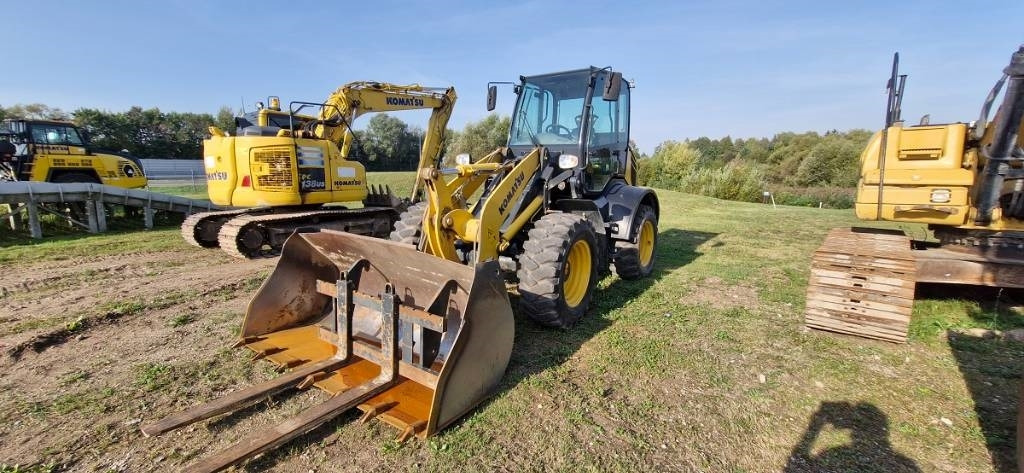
(868, 324)
(868, 278)
(866, 261)
(860, 318)
(860, 285)
(856, 324)
(857, 330)
(856, 327)
(872, 296)
(860, 304)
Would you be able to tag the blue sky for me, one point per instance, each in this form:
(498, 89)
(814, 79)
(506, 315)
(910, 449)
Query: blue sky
(739, 68)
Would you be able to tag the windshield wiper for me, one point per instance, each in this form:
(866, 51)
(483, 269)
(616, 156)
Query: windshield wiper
(526, 124)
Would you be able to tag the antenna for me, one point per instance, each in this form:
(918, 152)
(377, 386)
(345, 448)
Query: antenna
(243, 106)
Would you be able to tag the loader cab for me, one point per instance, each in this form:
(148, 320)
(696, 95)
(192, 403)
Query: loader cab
(570, 113)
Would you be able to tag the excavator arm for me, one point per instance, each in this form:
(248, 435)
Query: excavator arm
(357, 98)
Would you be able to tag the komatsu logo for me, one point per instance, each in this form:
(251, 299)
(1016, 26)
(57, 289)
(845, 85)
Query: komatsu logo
(515, 188)
(405, 102)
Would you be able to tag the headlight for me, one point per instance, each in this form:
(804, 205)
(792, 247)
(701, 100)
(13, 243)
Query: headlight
(568, 161)
(463, 159)
(210, 161)
(940, 196)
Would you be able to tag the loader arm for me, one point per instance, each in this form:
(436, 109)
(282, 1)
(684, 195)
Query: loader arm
(357, 98)
(448, 221)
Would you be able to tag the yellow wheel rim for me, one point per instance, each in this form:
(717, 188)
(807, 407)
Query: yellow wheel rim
(576, 273)
(646, 243)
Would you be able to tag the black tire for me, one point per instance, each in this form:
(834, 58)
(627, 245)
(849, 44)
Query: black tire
(409, 225)
(69, 177)
(542, 269)
(628, 264)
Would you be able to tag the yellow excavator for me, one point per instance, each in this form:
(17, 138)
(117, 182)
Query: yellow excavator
(964, 180)
(56, 151)
(417, 332)
(288, 170)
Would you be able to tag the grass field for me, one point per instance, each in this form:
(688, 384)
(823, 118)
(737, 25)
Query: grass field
(703, 367)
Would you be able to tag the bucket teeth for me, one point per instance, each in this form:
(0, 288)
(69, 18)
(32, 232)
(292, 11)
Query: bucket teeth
(410, 430)
(313, 379)
(289, 365)
(371, 411)
(247, 340)
(265, 353)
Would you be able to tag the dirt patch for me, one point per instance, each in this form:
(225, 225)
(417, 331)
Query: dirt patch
(715, 293)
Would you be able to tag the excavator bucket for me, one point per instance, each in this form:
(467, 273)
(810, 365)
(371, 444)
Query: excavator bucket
(406, 337)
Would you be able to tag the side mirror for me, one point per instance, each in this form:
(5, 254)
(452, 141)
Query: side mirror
(612, 85)
(492, 97)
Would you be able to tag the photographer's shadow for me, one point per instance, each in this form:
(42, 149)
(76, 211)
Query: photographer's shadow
(869, 449)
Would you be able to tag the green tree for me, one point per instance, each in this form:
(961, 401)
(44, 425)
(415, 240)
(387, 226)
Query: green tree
(479, 138)
(34, 111)
(225, 119)
(389, 144)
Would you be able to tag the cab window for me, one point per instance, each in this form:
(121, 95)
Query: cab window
(55, 135)
(609, 137)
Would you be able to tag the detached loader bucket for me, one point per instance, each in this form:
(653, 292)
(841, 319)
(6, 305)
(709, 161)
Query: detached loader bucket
(409, 338)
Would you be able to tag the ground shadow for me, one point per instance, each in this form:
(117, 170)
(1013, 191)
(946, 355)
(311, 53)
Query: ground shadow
(536, 348)
(991, 367)
(869, 449)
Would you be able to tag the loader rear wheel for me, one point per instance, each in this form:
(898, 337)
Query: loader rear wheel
(408, 227)
(558, 269)
(636, 260)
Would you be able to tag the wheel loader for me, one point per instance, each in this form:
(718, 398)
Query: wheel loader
(418, 331)
(287, 170)
(965, 181)
(57, 151)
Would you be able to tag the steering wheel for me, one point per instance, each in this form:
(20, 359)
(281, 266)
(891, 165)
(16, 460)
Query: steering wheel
(556, 129)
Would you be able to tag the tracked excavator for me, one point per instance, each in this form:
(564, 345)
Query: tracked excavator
(287, 170)
(417, 331)
(965, 181)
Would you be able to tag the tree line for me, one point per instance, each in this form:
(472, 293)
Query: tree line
(143, 133)
(798, 168)
(386, 144)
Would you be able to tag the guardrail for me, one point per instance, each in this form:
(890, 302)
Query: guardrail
(35, 197)
(159, 169)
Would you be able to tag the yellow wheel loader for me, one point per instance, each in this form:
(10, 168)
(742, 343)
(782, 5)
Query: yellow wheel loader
(55, 151)
(964, 180)
(417, 332)
(288, 170)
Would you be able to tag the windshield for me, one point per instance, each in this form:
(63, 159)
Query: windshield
(550, 110)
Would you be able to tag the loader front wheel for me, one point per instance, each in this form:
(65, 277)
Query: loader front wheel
(408, 227)
(636, 260)
(558, 269)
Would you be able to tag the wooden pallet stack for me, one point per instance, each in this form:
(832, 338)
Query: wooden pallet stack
(862, 283)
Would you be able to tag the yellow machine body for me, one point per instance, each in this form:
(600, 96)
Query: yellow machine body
(929, 176)
(54, 151)
(306, 164)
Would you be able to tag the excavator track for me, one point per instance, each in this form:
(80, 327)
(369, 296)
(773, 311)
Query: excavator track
(862, 283)
(194, 226)
(261, 236)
